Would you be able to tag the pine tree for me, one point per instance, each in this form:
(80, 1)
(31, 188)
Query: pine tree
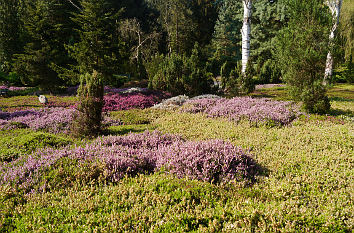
(47, 26)
(302, 51)
(99, 46)
(178, 22)
(10, 32)
(227, 34)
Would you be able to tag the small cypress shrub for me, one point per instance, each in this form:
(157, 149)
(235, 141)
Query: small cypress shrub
(87, 121)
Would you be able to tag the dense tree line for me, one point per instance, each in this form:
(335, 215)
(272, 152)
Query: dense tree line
(181, 46)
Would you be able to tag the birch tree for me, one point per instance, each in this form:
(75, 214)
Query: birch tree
(335, 7)
(246, 33)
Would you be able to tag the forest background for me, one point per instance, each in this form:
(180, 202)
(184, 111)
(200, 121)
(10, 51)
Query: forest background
(184, 47)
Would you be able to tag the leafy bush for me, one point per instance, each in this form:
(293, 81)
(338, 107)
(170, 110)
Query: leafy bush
(12, 79)
(344, 73)
(180, 74)
(269, 73)
(87, 121)
(237, 83)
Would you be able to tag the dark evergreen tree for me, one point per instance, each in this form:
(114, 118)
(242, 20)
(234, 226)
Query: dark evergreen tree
(180, 73)
(87, 121)
(178, 22)
(205, 14)
(302, 51)
(10, 32)
(99, 46)
(47, 26)
(268, 18)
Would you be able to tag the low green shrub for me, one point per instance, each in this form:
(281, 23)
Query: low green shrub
(15, 143)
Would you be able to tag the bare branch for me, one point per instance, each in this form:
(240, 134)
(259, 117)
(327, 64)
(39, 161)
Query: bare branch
(76, 6)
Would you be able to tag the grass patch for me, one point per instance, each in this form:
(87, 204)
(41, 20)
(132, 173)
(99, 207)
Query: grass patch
(277, 93)
(137, 116)
(340, 95)
(17, 103)
(126, 129)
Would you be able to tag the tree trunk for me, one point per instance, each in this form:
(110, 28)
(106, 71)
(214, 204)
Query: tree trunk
(334, 6)
(246, 33)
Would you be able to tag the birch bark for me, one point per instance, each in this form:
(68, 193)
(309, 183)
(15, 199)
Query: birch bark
(335, 7)
(246, 33)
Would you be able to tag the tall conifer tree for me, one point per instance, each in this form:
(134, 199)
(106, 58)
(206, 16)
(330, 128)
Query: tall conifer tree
(48, 27)
(99, 47)
(10, 32)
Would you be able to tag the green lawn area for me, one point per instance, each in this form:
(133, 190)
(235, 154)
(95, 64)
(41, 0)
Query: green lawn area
(306, 183)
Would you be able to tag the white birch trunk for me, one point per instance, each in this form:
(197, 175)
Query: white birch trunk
(246, 33)
(334, 6)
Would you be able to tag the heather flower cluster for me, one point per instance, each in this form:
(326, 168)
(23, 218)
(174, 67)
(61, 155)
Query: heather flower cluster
(53, 120)
(118, 156)
(258, 110)
(116, 99)
(3, 87)
(132, 98)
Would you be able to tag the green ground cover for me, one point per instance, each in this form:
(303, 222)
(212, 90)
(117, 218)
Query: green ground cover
(306, 184)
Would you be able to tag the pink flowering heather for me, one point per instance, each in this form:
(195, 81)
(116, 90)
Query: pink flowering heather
(118, 156)
(117, 102)
(211, 161)
(12, 88)
(253, 109)
(53, 120)
(124, 101)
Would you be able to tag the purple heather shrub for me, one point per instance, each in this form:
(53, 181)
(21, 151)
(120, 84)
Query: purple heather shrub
(12, 88)
(254, 109)
(53, 120)
(117, 102)
(118, 156)
(130, 99)
(212, 161)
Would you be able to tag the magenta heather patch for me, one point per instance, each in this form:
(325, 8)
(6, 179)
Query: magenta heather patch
(118, 156)
(129, 100)
(117, 102)
(2, 87)
(255, 110)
